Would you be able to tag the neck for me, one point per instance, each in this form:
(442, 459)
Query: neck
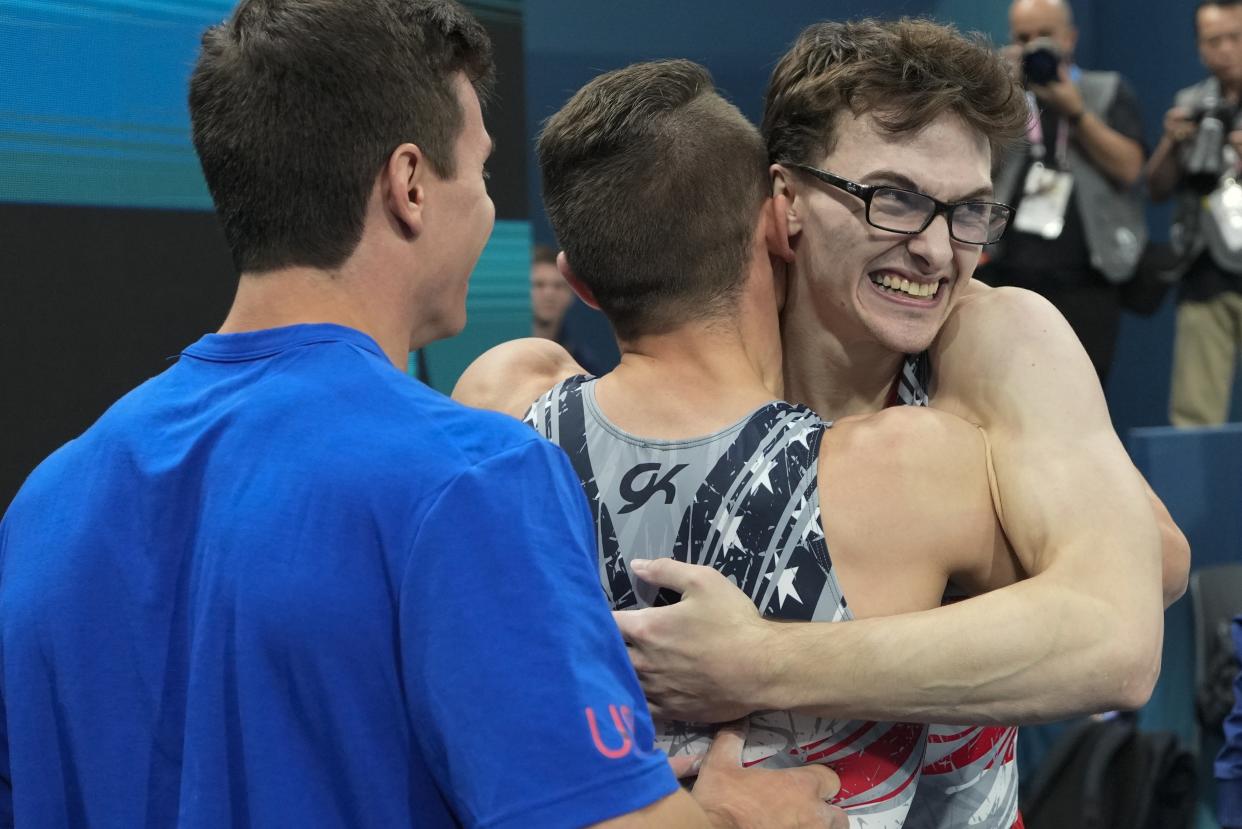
(693, 381)
(545, 329)
(833, 377)
(299, 295)
(1231, 89)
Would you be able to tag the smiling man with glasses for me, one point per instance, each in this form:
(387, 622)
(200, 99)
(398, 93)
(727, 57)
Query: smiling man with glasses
(880, 312)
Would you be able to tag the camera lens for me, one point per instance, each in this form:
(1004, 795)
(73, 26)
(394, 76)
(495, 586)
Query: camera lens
(1040, 66)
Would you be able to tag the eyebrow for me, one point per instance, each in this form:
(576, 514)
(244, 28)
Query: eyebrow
(898, 180)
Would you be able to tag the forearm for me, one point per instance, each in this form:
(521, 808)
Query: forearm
(1163, 170)
(1037, 651)
(1118, 157)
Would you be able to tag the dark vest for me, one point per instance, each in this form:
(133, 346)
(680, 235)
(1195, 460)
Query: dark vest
(1112, 216)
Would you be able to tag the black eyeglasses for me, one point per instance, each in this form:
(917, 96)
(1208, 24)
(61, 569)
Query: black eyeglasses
(910, 212)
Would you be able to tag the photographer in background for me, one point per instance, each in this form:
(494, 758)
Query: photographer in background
(550, 294)
(1079, 229)
(1197, 159)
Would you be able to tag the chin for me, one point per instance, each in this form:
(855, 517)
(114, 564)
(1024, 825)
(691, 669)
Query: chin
(905, 339)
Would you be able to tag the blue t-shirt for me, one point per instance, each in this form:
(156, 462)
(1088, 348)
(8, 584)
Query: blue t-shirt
(282, 584)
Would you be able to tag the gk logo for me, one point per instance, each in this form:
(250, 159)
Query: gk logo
(635, 498)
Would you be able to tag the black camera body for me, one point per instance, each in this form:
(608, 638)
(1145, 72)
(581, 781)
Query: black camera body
(1041, 61)
(1203, 159)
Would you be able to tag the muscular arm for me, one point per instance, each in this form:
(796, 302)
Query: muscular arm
(1082, 634)
(511, 376)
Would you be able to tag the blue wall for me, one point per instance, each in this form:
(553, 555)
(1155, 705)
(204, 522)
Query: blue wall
(570, 42)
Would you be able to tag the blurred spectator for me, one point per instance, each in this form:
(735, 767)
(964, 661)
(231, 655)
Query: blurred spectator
(1197, 159)
(1079, 229)
(557, 314)
(550, 294)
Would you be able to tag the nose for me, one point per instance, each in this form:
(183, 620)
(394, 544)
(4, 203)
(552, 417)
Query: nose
(933, 247)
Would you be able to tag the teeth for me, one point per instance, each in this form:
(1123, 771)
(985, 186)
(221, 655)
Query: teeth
(914, 289)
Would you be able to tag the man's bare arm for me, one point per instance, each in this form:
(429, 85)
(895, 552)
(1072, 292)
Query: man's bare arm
(1082, 634)
(1164, 170)
(511, 376)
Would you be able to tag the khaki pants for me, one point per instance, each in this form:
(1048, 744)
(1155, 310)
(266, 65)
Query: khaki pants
(1204, 359)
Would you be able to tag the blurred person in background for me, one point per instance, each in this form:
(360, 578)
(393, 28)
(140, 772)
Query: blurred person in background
(1197, 161)
(1079, 230)
(550, 294)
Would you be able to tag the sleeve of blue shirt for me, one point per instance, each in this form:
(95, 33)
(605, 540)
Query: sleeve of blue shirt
(1229, 761)
(519, 689)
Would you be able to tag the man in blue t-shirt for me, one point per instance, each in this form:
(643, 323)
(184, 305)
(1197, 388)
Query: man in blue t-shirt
(281, 584)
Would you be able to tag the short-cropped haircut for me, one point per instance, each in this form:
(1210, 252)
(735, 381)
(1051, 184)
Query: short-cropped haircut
(653, 184)
(904, 73)
(296, 106)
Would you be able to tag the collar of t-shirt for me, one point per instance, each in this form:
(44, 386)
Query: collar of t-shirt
(256, 345)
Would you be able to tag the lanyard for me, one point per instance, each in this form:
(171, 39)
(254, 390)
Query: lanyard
(1035, 135)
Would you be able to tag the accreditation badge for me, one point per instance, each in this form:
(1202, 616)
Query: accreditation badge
(1045, 200)
(1225, 208)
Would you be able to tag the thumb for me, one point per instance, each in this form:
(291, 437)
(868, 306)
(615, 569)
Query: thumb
(726, 750)
(666, 572)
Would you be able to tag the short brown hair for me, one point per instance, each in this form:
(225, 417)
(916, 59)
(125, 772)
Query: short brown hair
(905, 73)
(653, 184)
(296, 106)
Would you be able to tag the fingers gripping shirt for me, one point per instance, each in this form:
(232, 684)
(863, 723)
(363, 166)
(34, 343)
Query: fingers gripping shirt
(744, 501)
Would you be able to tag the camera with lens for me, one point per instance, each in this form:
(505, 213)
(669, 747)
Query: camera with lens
(1041, 61)
(1203, 159)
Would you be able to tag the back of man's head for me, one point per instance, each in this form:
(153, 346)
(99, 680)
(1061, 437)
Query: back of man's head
(653, 184)
(904, 73)
(296, 106)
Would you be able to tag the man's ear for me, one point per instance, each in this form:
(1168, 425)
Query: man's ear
(580, 288)
(773, 224)
(780, 256)
(403, 181)
(786, 222)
